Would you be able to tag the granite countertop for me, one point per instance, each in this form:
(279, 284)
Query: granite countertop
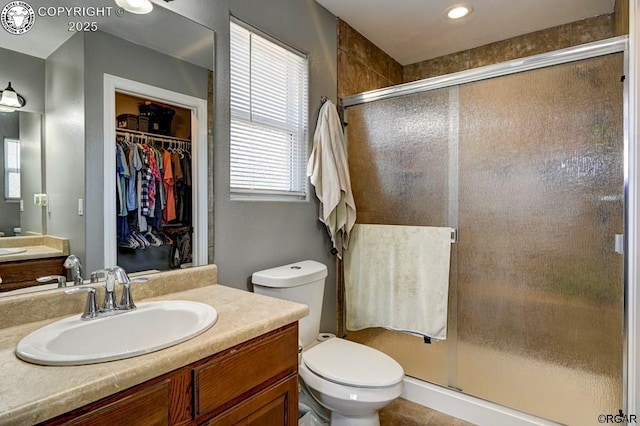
(37, 247)
(31, 393)
(32, 252)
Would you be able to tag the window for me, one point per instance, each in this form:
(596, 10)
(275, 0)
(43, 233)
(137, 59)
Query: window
(268, 117)
(11, 169)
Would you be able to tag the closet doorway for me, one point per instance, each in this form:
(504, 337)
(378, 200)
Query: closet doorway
(154, 178)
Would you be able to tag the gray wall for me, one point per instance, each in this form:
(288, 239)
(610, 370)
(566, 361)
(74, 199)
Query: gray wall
(250, 236)
(31, 218)
(9, 211)
(26, 74)
(64, 141)
(105, 53)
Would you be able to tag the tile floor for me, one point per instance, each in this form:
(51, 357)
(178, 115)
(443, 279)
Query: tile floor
(406, 413)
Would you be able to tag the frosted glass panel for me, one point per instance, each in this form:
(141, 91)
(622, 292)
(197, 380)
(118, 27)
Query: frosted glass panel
(399, 160)
(540, 288)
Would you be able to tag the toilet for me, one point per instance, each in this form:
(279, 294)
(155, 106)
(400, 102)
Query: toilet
(351, 380)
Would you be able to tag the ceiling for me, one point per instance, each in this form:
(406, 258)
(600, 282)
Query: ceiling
(415, 30)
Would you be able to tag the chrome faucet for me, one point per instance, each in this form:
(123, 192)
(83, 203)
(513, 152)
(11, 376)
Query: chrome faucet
(72, 262)
(109, 303)
(62, 281)
(109, 306)
(126, 300)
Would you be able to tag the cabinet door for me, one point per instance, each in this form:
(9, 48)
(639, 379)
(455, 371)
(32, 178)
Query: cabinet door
(23, 273)
(274, 406)
(246, 369)
(147, 407)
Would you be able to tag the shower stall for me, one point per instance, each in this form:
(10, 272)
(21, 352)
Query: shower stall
(527, 160)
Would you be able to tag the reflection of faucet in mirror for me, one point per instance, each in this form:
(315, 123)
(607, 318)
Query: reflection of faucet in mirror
(72, 262)
(62, 281)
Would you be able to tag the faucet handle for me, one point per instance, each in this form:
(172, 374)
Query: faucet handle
(126, 300)
(62, 281)
(96, 275)
(91, 307)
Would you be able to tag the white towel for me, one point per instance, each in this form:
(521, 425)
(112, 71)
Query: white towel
(397, 277)
(329, 173)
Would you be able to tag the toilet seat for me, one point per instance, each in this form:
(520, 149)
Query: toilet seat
(351, 364)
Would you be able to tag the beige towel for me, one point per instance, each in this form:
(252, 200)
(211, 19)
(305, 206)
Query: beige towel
(397, 277)
(329, 173)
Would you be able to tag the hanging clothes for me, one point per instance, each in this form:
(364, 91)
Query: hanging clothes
(122, 174)
(187, 194)
(169, 212)
(135, 164)
(152, 183)
(151, 175)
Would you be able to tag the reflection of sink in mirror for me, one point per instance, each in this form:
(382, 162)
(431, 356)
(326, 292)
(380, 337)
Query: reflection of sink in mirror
(151, 327)
(31, 289)
(54, 286)
(7, 251)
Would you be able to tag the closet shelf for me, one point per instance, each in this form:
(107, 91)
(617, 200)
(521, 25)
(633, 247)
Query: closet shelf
(153, 136)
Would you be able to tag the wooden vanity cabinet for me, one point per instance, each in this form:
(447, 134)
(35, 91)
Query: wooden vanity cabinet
(23, 273)
(253, 383)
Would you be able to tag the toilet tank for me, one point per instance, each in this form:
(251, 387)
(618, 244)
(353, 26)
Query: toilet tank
(301, 282)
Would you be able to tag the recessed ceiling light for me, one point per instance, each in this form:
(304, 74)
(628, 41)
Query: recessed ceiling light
(458, 11)
(136, 6)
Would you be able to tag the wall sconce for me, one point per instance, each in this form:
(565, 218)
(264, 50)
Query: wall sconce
(136, 6)
(10, 100)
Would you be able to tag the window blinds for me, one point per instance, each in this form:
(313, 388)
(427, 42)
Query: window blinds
(268, 117)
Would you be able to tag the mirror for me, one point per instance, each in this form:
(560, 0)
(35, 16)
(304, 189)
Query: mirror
(21, 172)
(58, 66)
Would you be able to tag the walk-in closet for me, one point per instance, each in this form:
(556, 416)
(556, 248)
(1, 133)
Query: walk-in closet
(153, 184)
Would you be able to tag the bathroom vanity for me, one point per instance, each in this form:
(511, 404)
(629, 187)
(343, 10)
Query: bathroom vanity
(243, 370)
(253, 383)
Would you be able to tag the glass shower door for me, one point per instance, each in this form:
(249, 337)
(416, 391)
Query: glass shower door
(402, 160)
(540, 286)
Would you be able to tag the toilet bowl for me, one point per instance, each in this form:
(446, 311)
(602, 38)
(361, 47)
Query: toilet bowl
(351, 380)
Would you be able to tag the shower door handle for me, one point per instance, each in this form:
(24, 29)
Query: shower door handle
(619, 243)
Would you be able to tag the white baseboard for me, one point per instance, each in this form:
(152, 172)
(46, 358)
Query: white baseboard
(465, 407)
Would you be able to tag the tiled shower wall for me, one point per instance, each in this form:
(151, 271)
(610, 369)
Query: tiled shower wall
(574, 33)
(363, 66)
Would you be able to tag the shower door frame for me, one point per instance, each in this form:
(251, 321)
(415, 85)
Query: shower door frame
(627, 46)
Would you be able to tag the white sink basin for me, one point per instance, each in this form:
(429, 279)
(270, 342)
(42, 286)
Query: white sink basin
(8, 251)
(151, 327)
